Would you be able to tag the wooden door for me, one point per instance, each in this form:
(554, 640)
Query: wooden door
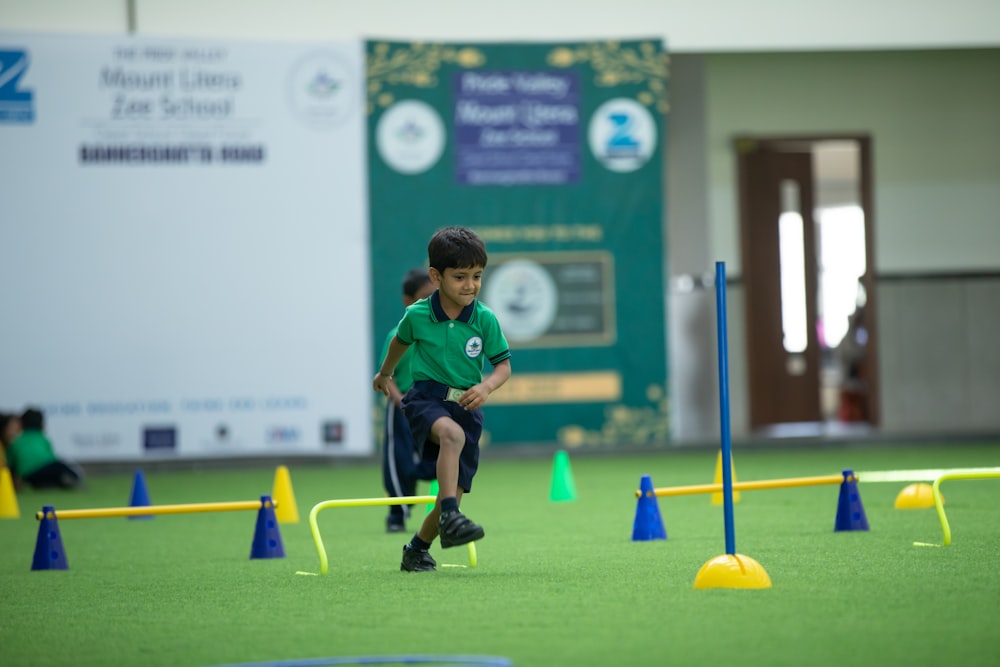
(783, 361)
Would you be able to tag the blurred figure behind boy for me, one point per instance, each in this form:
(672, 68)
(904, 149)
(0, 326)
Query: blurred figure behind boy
(10, 428)
(402, 464)
(32, 459)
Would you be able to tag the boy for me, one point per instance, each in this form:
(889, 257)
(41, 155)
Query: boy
(450, 333)
(401, 464)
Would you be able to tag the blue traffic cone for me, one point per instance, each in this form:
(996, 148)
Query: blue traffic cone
(267, 536)
(850, 511)
(49, 552)
(140, 496)
(648, 523)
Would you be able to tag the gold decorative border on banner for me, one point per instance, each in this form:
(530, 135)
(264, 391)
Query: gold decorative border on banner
(614, 64)
(413, 64)
(623, 424)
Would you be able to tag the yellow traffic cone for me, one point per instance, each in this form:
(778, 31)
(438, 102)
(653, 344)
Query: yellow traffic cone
(8, 499)
(286, 511)
(717, 479)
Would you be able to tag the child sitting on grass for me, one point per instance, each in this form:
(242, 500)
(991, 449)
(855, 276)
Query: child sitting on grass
(32, 459)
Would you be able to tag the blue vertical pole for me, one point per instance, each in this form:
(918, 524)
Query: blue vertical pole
(727, 474)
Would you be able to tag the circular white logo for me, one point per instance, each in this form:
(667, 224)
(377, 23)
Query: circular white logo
(322, 89)
(622, 134)
(524, 297)
(410, 136)
(474, 347)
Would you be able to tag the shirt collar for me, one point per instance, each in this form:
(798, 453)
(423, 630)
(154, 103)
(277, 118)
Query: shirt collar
(440, 316)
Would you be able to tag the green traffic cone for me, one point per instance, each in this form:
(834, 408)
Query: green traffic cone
(433, 491)
(563, 488)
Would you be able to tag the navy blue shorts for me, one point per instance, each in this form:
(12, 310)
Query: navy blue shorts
(422, 409)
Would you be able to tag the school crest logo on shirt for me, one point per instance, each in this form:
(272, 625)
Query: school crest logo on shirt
(474, 347)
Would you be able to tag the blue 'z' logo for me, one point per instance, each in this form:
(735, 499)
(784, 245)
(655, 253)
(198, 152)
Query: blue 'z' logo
(622, 143)
(16, 106)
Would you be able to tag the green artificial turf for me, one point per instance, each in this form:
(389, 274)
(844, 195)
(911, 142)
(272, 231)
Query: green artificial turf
(556, 583)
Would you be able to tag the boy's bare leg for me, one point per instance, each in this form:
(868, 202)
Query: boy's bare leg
(458, 529)
(450, 437)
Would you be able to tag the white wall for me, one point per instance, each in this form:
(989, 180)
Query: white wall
(688, 27)
(102, 16)
(935, 132)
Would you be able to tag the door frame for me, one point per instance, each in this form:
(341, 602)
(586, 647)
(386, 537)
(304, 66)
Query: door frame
(775, 142)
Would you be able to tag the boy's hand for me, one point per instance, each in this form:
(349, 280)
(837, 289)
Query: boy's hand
(381, 383)
(474, 397)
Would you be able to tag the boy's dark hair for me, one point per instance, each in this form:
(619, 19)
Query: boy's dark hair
(414, 280)
(32, 420)
(456, 248)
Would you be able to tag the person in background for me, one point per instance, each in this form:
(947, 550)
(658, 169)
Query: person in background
(33, 461)
(10, 428)
(851, 353)
(401, 462)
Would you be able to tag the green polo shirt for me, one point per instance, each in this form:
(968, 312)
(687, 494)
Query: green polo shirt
(402, 374)
(29, 452)
(451, 351)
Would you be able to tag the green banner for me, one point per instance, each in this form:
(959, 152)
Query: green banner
(553, 154)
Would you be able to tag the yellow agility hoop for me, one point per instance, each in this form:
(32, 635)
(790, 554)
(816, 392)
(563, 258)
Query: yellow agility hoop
(324, 565)
(939, 501)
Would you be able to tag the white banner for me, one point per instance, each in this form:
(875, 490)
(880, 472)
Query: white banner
(185, 246)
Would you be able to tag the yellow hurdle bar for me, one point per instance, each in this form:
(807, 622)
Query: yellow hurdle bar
(925, 475)
(324, 565)
(747, 486)
(939, 503)
(148, 510)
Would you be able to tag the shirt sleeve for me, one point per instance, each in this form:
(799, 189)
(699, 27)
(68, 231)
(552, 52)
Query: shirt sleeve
(494, 342)
(385, 346)
(404, 330)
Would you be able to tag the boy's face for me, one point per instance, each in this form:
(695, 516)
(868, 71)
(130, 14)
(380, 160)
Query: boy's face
(11, 430)
(458, 287)
(425, 291)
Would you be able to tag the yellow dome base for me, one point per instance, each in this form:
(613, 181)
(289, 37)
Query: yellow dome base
(916, 497)
(732, 571)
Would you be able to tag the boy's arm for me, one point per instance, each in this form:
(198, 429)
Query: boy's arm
(392, 357)
(475, 397)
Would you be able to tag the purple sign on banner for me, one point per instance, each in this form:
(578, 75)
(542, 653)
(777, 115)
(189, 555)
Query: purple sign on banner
(517, 128)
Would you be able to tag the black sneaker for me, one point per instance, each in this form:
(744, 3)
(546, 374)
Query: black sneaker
(416, 561)
(457, 529)
(394, 525)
